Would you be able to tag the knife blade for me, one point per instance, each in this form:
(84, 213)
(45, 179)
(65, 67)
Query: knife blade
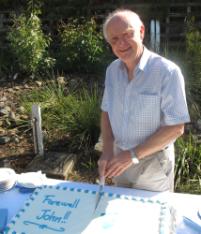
(100, 190)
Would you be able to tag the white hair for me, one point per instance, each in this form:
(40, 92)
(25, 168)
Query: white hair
(131, 16)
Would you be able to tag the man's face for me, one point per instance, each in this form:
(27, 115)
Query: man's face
(124, 39)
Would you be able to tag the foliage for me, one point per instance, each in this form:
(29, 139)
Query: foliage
(29, 44)
(4, 63)
(85, 124)
(82, 48)
(68, 113)
(191, 67)
(188, 164)
(193, 57)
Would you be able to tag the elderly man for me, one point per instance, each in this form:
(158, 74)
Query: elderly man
(143, 109)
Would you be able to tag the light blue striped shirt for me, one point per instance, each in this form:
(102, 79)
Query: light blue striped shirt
(154, 98)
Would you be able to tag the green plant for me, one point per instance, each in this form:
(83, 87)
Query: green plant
(85, 124)
(29, 44)
(82, 47)
(188, 164)
(66, 112)
(193, 58)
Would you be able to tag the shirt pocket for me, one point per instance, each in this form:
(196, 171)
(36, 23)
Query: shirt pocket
(146, 111)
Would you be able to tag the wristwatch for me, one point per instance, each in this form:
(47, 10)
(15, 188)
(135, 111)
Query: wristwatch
(134, 157)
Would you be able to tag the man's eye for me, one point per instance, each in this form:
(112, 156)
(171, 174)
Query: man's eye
(114, 40)
(129, 34)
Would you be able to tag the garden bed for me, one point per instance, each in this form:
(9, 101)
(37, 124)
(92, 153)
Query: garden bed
(16, 141)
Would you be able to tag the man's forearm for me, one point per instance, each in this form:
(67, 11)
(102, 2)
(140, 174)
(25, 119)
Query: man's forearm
(159, 140)
(106, 133)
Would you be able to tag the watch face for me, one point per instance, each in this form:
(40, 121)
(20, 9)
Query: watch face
(135, 160)
(134, 157)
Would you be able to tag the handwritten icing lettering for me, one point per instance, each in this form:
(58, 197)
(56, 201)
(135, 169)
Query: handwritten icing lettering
(49, 199)
(50, 216)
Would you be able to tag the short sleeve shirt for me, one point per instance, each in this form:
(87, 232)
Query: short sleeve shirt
(155, 97)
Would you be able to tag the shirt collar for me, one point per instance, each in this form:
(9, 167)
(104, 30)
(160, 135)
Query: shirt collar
(144, 59)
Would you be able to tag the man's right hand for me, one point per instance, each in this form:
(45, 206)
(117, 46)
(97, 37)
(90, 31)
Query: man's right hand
(102, 164)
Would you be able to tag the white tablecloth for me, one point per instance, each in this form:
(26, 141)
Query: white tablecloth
(184, 204)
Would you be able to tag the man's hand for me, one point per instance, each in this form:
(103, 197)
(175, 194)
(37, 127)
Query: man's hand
(118, 164)
(103, 164)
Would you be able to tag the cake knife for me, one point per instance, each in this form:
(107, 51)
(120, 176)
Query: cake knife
(99, 194)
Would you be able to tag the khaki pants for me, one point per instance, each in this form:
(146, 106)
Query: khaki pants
(153, 173)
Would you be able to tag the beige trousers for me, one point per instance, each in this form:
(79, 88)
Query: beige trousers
(153, 173)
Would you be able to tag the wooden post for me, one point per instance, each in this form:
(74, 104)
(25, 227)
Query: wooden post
(37, 130)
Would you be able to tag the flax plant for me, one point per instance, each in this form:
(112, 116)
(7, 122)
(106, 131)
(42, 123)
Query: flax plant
(188, 165)
(67, 113)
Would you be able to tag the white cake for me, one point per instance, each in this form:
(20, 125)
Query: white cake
(56, 209)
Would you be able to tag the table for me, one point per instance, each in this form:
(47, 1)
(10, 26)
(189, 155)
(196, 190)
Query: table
(184, 204)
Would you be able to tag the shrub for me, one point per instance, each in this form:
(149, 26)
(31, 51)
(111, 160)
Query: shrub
(66, 113)
(193, 57)
(188, 164)
(82, 48)
(29, 44)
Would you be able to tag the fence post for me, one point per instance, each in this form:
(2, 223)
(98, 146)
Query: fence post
(37, 130)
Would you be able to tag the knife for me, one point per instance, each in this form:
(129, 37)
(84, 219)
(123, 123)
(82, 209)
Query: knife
(100, 191)
(192, 224)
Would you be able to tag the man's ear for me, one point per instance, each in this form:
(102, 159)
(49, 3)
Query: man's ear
(142, 32)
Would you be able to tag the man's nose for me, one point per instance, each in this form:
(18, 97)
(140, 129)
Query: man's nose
(122, 41)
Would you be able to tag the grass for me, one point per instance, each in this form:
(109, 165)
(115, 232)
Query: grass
(188, 165)
(67, 112)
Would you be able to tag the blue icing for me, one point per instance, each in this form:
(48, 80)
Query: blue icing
(65, 188)
(93, 192)
(150, 201)
(72, 189)
(86, 191)
(110, 194)
(162, 230)
(51, 200)
(44, 226)
(51, 216)
(7, 229)
(102, 214)
(107, 225)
